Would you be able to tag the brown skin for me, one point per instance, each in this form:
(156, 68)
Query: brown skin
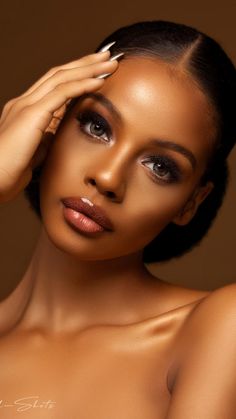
(89, 272)
(83, 291)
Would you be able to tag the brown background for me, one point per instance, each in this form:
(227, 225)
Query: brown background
(35, 36)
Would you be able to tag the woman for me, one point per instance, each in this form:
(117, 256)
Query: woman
(140, 145)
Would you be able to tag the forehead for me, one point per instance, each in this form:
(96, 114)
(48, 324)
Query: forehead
(159, 99)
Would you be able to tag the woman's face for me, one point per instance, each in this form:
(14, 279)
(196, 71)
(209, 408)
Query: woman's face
(150, 153)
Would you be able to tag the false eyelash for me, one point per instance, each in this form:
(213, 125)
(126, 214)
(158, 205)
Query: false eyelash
(175, 173)
(90, 116)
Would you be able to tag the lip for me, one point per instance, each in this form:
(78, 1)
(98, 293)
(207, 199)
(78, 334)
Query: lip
(95, 212)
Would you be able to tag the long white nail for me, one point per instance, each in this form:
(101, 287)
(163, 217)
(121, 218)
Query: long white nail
(102, 76)
(107, 46)
(116, 56)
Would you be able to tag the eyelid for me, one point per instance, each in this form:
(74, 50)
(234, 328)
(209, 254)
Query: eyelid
(92, 113)
(171, 165)
(87, 115)
(99, 108)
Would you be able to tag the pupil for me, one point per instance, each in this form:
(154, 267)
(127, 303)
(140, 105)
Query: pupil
(97, 129)
(162, 170)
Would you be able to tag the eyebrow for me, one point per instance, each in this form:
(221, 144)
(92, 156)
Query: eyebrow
(99, 97)
(176, 147)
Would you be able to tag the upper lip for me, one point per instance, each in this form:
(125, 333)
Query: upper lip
(95, 212)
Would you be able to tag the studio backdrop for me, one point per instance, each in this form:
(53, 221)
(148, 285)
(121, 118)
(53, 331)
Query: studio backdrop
(37, 35)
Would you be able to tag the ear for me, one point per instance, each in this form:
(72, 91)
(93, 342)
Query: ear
(190, 208)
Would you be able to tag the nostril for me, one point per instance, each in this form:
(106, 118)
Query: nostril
(110, 194)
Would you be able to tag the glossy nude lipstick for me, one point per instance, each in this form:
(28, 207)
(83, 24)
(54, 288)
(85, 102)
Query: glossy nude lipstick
(85, 216)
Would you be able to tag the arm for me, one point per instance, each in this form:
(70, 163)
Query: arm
(205, 384)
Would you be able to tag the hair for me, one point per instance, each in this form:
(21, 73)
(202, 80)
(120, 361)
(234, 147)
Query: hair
(206, 62)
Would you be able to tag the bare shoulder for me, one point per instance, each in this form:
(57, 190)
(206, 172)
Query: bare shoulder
(208, 333)
(178, 296)
(205, 378)
(216, 310)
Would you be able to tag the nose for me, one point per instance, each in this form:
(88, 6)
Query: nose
(108, 175)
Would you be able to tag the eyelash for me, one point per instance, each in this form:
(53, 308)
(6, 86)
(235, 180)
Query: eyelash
(174, 173)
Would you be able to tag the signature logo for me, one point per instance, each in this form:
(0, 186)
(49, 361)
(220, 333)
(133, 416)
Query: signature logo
(30, 402)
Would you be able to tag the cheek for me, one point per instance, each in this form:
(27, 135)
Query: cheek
(144, 219)
(146, 210)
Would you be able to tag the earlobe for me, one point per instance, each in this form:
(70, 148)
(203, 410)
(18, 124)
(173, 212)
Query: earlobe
(190, 208)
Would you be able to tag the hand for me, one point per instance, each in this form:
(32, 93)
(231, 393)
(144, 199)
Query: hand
(27, 120)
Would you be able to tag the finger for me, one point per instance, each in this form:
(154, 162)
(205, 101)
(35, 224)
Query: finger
(54, 124)
(8, 105)
(86, 60)
(57, 117)
(64, 76)
(80, 62)
(58, 96)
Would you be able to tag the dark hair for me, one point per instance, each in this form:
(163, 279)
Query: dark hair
(205, 60)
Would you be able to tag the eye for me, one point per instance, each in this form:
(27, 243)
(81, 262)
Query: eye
(94, 125)
(164, 168)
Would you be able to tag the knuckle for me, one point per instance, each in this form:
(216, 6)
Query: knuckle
(90, 56)
(26, 110)
(52, 70)
(9, 104)
(59, 87)
(17, 105)
(55, 68)
(59, 71)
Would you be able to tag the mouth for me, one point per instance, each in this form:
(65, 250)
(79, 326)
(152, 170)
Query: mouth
(86, 216)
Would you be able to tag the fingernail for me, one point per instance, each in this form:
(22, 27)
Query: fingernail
(107, 46)
(102, 76)
(115, 57)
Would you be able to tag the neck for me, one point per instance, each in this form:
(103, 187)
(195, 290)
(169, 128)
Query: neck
(68, 293)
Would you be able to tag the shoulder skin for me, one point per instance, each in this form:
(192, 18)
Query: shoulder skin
(205, 382)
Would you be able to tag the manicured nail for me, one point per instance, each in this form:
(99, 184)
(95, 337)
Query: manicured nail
(115, 57)
(102, 76)
(107, 46)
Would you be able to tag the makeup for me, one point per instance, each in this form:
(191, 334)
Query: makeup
(86, 217)
(81, 222)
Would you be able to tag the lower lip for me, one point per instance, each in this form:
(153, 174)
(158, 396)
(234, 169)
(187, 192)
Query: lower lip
(81, 222)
